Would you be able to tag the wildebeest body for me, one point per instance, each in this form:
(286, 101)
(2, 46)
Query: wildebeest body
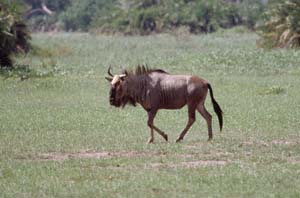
(156, 89)
(164, 91)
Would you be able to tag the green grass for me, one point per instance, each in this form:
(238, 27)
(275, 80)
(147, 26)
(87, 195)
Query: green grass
(46, 122)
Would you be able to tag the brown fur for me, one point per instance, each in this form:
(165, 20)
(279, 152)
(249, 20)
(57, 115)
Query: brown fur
(155, 89)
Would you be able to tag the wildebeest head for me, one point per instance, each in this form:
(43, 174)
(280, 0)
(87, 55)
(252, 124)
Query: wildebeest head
(118, 91)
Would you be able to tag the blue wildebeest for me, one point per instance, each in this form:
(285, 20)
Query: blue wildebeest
(156, 89)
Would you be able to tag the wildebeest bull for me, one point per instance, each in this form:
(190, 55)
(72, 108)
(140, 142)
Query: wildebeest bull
(156, 89)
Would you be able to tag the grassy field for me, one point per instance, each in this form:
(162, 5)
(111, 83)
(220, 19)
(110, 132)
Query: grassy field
(60, 138)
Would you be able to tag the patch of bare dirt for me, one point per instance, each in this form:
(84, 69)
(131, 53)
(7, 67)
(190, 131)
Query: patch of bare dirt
(285, 142)
(184, 155)
(269, 143)
(294, 160)
(251, 143)
(60, 157)
(191, 164)
(212, 154)
(89, 154)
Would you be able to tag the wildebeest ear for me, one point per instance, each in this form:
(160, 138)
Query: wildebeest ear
(108, 79)
(123, 70)
(126, 73)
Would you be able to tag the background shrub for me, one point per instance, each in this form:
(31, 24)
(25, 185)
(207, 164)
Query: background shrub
(147, 16)
(282, 25)
(14, 37)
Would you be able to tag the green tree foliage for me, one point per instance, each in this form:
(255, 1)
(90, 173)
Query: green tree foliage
(282, 26)
(141, 16)
(43, 14)
(251, 12)
(14, 37)
(146, 16)
(81, 14)
(52, 5)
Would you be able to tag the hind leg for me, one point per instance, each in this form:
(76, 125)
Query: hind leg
(207, 116)
(160, 132)
(192, 118)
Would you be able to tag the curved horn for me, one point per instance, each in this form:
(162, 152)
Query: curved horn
(109, 71)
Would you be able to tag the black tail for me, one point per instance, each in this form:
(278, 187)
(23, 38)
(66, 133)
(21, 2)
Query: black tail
(216, 106)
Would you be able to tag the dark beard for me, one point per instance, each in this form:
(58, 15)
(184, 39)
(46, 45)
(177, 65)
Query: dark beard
(123, 102)
(128, 100)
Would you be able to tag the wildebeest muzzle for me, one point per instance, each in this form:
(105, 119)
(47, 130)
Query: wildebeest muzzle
(112, 98)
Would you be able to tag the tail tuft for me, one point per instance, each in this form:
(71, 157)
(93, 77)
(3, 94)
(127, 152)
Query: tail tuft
(216, 106)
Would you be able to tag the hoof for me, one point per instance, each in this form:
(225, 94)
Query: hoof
(210, 140)
(166, 137)
(179, 140)
(150, 141)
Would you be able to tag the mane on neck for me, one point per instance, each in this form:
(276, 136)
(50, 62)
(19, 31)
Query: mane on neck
(142, 69)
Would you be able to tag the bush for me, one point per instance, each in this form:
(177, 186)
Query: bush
(81, 14)
(147, 16)
(250, 12)
(14, 37)
(42, 15)
(282, 25)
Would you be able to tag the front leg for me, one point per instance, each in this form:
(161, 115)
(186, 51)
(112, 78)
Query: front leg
(151, 116)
